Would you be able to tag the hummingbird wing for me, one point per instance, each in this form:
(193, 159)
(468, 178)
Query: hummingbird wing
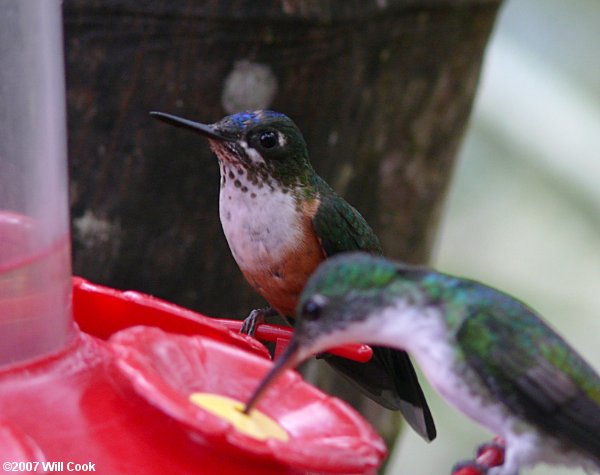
(340, 227)
(389, 378)
(535, 373)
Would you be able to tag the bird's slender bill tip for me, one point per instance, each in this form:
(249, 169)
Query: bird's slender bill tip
(202, 129)
(168, 118)
(289, 359)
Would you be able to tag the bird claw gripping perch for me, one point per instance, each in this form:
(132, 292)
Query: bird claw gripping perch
(257, 317)
(490, 454)
(469, 467)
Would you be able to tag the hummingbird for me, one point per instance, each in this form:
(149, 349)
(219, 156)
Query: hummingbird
(486, 353)
(281, 220)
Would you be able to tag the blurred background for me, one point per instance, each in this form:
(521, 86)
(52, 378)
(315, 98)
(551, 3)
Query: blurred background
(523, 212)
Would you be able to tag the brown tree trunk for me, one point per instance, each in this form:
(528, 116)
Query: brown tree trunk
(381, 89)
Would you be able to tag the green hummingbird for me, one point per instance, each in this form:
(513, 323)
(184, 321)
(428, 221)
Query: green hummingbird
(488, 354)
(281, 220)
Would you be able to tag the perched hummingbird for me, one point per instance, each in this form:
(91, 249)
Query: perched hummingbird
(489, 355)
(281, 221)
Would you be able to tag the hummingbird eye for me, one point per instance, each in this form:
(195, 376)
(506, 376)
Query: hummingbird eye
(268, 139)
(312, 310)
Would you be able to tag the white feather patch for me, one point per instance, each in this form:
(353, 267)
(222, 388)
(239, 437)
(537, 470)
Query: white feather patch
(255, 236)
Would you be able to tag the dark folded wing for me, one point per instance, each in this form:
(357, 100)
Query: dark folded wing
(389, 378)
(536, 374)
(340, 227)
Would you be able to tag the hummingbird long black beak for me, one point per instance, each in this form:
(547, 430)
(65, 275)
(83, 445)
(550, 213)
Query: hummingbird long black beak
(202, 129)
(290, 358)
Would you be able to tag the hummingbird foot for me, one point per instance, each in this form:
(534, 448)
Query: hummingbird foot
(492, 453)
(470, 467)
(489, 455)
(256, 318)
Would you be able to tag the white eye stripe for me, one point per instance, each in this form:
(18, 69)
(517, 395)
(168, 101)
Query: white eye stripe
(281, 139)
(251, 152)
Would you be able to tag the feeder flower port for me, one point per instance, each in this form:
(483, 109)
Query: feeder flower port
(165, 397)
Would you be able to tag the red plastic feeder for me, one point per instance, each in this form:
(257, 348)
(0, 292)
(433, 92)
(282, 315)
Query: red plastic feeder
(123, 404)
(325, 435)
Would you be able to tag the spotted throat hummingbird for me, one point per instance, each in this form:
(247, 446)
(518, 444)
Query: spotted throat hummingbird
(281, 221)
(486, 353)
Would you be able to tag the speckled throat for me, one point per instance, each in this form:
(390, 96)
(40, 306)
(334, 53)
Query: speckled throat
(268, 229)
(236, 165)
(241, 169)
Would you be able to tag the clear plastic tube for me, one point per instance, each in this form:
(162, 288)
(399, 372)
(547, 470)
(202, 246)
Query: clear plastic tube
(35, 266)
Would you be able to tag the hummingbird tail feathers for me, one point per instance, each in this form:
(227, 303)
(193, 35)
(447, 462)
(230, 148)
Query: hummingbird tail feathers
(390, 380)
